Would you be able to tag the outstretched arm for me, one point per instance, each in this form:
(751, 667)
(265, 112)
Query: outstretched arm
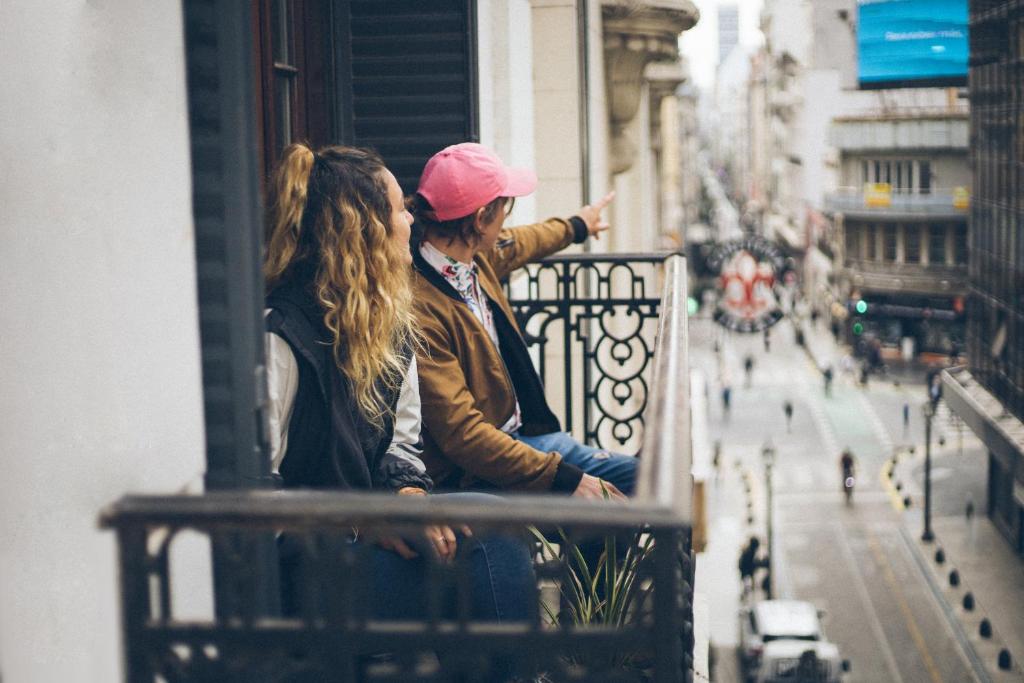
(518, 246)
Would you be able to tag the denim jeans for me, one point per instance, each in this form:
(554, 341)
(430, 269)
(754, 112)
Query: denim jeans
(383, 585)
(499, 569)
(616, 468)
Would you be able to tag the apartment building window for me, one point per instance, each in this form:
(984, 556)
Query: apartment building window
(399, 77)
(889, 244)
(898, 173)
(960, 245)
(912, 243)
(294, 100)
(872, 242)
(852, 243)
(937, 244)
(924, 177)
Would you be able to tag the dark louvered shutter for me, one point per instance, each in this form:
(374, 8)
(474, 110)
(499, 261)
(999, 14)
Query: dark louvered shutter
(226, 210)
(413, 79)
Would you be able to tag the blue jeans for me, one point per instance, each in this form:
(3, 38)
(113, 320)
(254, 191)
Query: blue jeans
(616, 468)
(383, 585)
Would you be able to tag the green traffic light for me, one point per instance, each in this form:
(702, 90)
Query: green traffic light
(862, 306)
(858, 329)
(691, 305)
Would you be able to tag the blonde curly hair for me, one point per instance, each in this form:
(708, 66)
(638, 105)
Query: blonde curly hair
(330, 212)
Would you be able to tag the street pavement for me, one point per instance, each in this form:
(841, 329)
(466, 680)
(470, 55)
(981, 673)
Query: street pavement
(860, 563)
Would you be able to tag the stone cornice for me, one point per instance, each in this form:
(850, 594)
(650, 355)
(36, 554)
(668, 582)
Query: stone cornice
(637, 33)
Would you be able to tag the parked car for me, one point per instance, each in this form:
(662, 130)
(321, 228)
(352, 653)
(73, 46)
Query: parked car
(782, 641)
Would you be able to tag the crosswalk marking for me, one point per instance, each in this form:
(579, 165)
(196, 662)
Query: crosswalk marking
(877, 426)
(825, 430)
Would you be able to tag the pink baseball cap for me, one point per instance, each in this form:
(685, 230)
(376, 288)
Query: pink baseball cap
(460, 179)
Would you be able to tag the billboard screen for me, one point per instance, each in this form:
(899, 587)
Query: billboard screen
(908, 43)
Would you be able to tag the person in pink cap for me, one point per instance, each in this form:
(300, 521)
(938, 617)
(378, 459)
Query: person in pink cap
(486, 420)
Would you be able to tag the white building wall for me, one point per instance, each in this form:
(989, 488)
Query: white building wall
(557, 134)
(599, 132)
(99, 354)
(505, 61)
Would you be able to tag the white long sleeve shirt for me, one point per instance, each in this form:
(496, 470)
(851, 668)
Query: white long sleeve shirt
(283, 384)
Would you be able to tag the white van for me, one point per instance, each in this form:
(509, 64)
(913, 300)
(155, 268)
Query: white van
(782, 641)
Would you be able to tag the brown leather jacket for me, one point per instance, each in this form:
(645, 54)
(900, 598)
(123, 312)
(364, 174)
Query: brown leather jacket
(468, 389)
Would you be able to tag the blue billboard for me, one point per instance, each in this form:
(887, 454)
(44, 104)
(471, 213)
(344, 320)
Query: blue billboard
(908, 43)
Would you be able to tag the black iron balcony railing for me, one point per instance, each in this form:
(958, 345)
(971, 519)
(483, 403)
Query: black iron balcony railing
(592, 322)
(330, 638)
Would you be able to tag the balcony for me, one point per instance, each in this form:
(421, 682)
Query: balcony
(623, 380)
(914, 129)
(910, 278)
(856, 202)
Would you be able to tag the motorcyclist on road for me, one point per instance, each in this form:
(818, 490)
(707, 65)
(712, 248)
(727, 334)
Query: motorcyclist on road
(848, 466)
(847, 463)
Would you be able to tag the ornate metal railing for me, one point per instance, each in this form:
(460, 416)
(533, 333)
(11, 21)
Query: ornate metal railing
(329, 635)
(591, 320)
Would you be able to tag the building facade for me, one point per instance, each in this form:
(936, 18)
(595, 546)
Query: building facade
(805, 149)
(989, 392)
(901, 215)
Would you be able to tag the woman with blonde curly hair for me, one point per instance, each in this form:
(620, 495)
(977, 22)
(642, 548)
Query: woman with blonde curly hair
(344, 394)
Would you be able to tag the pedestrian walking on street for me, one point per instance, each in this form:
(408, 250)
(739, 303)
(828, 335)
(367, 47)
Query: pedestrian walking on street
(906, 417)
(935, 389)
(787, 408)
(748, 367)
(827, 375)
(716, 459)
(767, 340)
(748, 564)
(969, 515)
(726, 397)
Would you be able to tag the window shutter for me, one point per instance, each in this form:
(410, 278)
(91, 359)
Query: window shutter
(413, 79)
(226, 210)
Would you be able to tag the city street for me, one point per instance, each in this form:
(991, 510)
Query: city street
(859, 562)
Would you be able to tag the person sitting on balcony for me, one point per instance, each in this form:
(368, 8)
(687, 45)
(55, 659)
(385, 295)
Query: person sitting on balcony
(344, 395)
(487, 422)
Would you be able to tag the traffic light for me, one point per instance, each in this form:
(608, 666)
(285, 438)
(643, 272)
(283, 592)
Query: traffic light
(861, 306)
(858, 328)
(692, 306)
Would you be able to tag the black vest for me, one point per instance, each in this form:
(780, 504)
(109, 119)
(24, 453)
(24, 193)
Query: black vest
(330, 443)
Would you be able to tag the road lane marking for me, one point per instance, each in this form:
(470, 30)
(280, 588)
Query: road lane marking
(901, 602)
(894, 496)
(865, 598)
(825, 429)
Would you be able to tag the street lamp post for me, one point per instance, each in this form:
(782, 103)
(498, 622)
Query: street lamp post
(929, 412)
(768, 455)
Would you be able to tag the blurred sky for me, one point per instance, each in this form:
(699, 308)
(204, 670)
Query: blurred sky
(700, 44)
